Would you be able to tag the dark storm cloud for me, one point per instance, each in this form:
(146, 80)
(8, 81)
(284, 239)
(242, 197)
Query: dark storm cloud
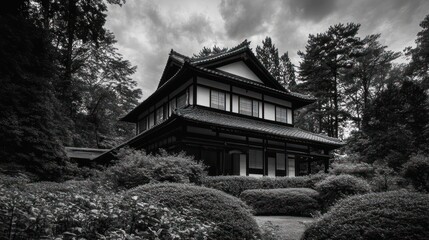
(147, 30)
(244, 18)
(146, 34)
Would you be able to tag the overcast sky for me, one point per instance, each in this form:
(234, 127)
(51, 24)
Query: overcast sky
(147, 30)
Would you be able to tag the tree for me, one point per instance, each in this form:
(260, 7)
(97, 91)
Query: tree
(327, 58)
(396, 121)
(370, 69)
(107, 92)
(205, 52)
(281, 68)
(419, 64)
(268, 55)
(30, 125)
(93, 84)
(287, 72)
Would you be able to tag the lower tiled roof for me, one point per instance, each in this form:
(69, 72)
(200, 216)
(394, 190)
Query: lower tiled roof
(208, 116)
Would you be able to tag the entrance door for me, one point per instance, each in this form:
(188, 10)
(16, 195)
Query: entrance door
(238, 164)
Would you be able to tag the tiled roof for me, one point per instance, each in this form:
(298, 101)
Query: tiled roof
(203, 115)
(242, 79)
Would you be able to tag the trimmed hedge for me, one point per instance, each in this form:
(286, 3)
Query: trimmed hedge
(232, 217)
(286, 201)
(235, 185)
(333, 188)
(395, 215)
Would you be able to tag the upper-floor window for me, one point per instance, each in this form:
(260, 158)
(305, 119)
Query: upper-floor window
(159, 115)
(281, 114)
(255, 108)
(182, 100)
(217, 100)
(249, 107)
(142, 124)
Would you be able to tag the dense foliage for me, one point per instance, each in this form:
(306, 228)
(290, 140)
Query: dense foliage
(419, 64)
(62, 83)
(334, 188)
(323, 69)
(395, 215)
(283, 201)
(363, 170)
(280, 67)
(135, 167)
(80, 210)
(417, 171)
(235, 185)
(231, 216)
(31, 127)
(397, 120)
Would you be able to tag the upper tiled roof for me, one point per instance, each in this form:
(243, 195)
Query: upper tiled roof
(203, 115)
(251, 82)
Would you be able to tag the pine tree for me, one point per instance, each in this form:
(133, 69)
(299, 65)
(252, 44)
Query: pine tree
(419, 64)
(31, 125)
(205, 52)
(370, 69)
(268, 55)
(287, 72)
(325, 62)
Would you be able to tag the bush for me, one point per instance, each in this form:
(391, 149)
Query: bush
(231, 216)
(287, 201)
(363, 170)
(395, 215)
(334, 188)
(73, 211)
(135, 168)
(386, 179)
(235, 185)
(417, 171)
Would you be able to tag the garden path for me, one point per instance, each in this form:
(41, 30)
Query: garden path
(285, 227)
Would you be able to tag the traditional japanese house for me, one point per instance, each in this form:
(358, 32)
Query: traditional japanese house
(228, 111)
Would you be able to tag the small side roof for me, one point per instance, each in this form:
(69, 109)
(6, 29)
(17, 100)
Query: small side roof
(84, 153)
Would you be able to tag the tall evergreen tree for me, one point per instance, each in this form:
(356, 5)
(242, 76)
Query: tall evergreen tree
(30, 123)
(419, 64)
(325, 62)
(268, 55)
(370, 69)
(281, 68)
(287, 72)
(88, 66)
(205, 52)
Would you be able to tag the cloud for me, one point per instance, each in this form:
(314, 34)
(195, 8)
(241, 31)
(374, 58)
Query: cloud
(147, 30)
(310, 9)
(243, 18)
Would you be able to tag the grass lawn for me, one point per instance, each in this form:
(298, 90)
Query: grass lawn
(285, 227)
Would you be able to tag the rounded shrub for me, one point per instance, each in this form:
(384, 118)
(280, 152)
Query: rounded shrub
(135, 167)
(232, 217)
(417, 171)
(285, 201)
(235, 185)
(395, 215)
(335, 188)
